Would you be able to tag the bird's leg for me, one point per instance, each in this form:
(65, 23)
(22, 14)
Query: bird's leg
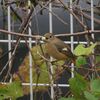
(67, 64)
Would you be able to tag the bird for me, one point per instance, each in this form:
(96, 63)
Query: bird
(56, 48)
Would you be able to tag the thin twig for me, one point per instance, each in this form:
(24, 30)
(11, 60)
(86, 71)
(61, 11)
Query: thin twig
(70, 11)
(86, 15)
(58, 35)
(79, 33)
(19, 34)
(89, 17)
(60, 19)
(22, 29)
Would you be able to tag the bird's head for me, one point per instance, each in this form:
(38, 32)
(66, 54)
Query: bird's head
(48, 37)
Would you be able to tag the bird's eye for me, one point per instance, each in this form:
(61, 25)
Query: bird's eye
(50, 36)
(46, 37)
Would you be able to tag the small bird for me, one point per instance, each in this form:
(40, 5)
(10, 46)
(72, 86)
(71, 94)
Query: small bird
(56, 48)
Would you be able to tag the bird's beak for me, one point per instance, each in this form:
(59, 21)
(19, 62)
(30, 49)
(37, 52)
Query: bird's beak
(43, 38)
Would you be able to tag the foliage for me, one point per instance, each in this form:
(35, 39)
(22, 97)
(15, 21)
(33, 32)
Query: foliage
(39, 66)
(82, 53)
(66, 99)
(78, 84)
(81, 50)
(81, 60)
(95, 87)
(82, 89)
(89, 96)
(97, 58)
(11, 90)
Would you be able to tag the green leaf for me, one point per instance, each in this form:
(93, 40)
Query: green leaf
(97, 58)
(66, 98)
(2, 98)
(15, 90)
(3, 92)
(12, 90)
(39, 65)
(80, 61)
(89, 49)
(78, 84)
(89, 96)
(81, 50)
(95, 87)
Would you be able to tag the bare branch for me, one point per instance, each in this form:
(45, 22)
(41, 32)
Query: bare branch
(60, 19)
(19, 34)
(75, 16)
(89, 17)
(58, 35)
(79, 33)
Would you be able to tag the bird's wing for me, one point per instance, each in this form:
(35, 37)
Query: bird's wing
(63, 48)
(61, 45)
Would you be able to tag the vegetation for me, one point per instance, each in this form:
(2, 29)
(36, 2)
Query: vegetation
(85, 85)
